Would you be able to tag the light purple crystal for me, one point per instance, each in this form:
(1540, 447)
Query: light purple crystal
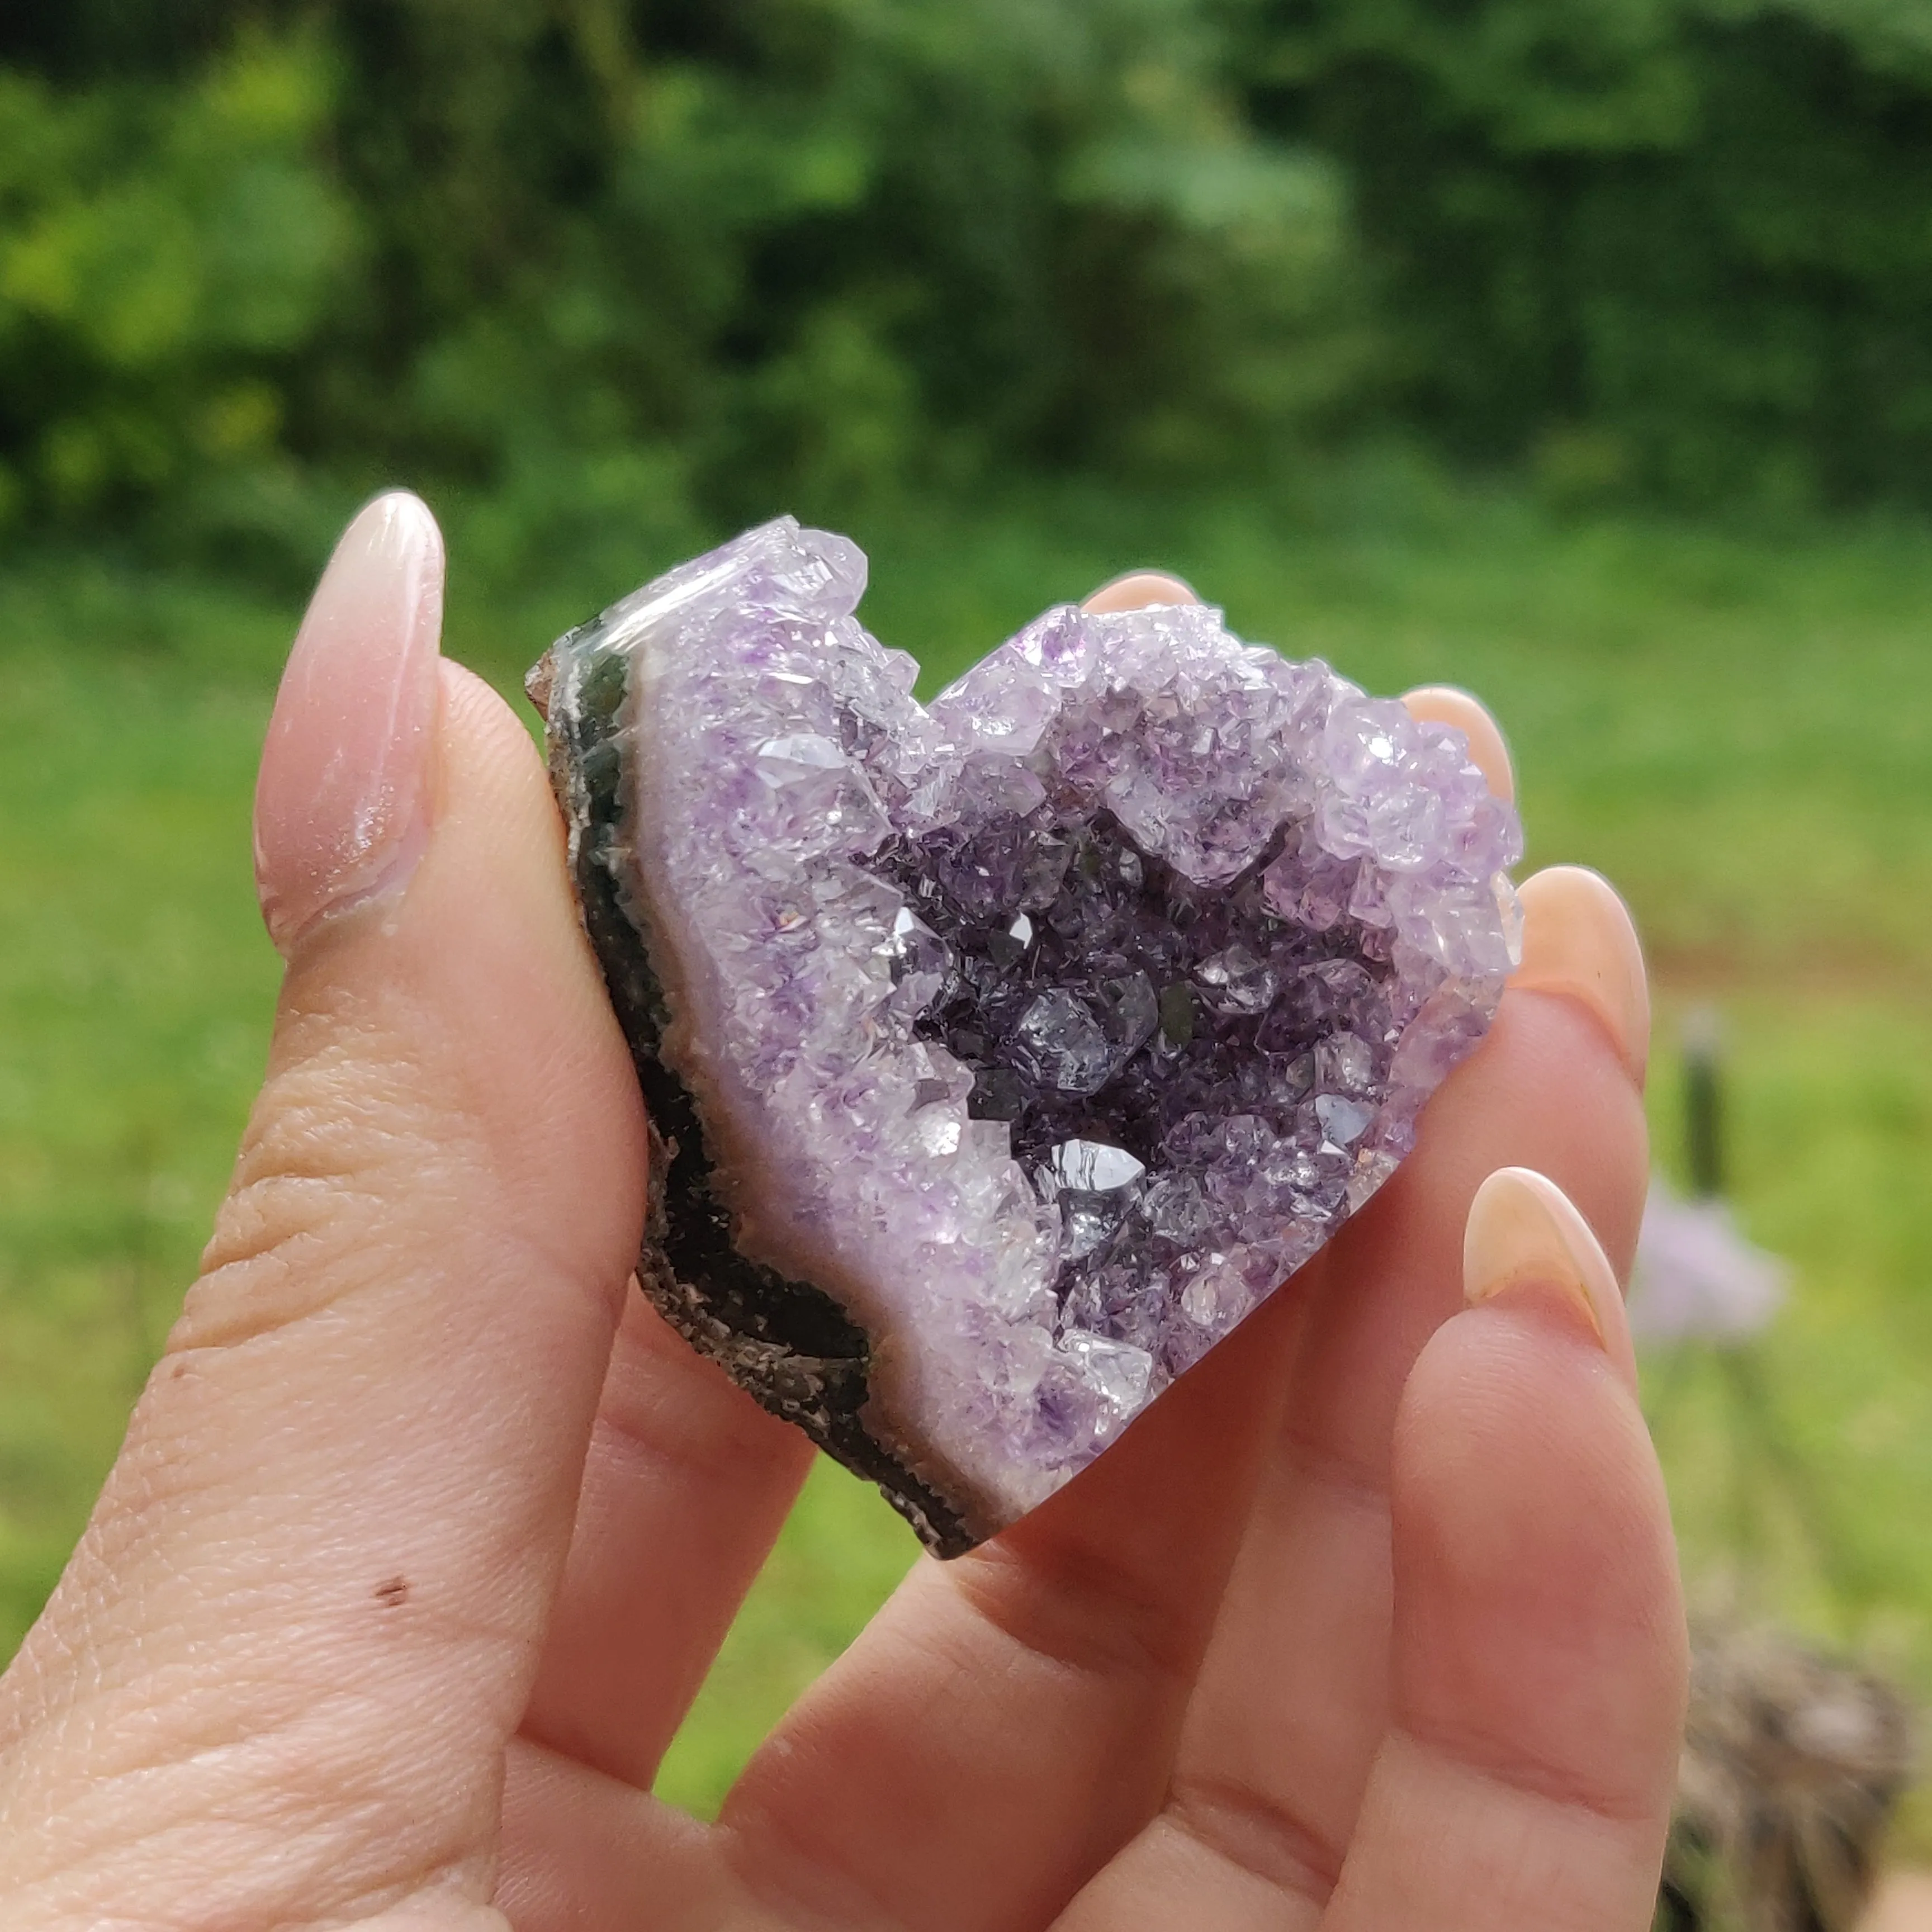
(1046, 1028)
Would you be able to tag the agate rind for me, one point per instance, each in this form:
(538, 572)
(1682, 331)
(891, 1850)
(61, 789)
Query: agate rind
(787, 1343)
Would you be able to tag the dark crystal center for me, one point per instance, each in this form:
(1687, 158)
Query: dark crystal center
(1170, 1058)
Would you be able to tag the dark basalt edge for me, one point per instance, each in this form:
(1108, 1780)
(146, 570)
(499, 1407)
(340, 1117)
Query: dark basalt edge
(788, 1344)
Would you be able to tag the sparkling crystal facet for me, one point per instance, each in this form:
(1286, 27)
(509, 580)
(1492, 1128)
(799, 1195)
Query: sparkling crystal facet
(1004, 1053)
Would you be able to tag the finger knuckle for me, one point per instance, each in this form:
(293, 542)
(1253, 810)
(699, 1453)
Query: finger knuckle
(337, 1140)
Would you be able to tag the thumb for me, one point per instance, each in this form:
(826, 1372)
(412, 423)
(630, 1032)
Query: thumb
(275, 1683)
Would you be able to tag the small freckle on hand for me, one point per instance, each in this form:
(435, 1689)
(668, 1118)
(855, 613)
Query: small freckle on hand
(393, 1592)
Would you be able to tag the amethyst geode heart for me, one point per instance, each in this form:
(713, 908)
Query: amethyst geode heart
(1001, 1054)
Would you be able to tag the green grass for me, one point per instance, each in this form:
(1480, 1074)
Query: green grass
(1738, 729)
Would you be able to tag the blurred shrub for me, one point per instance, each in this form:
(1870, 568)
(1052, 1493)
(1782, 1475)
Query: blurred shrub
(1667, 247)
(166, 253)
(603, 263)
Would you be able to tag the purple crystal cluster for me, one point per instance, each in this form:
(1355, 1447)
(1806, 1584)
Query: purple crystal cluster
(1047, 1028)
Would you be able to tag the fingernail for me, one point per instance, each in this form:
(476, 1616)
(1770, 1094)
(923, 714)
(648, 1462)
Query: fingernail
(1444, 704)
(1578, 939)
(1138, 590)
(342, 801)
(1524, 1232)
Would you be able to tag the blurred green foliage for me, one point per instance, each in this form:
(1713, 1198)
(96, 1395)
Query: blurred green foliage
(608, 267)
(1672, 246)
(166, 254)
(616, 267)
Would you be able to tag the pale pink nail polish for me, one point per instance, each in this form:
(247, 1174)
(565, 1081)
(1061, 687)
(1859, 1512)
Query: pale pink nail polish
(342, 803)
(1524, 1232)
(1138, 589)
(1578, 939)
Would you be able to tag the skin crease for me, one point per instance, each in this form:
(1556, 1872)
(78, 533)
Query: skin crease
(426, 1529)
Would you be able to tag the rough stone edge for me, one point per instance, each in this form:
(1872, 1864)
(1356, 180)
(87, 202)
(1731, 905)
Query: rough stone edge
(787, 1344)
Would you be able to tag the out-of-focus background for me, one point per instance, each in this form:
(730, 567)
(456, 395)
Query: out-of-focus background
(1578, 351)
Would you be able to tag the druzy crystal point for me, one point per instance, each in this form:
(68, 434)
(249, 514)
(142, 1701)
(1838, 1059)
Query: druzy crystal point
(1003, 1053)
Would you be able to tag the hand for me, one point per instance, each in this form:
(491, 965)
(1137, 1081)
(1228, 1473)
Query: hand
(425, 1529)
